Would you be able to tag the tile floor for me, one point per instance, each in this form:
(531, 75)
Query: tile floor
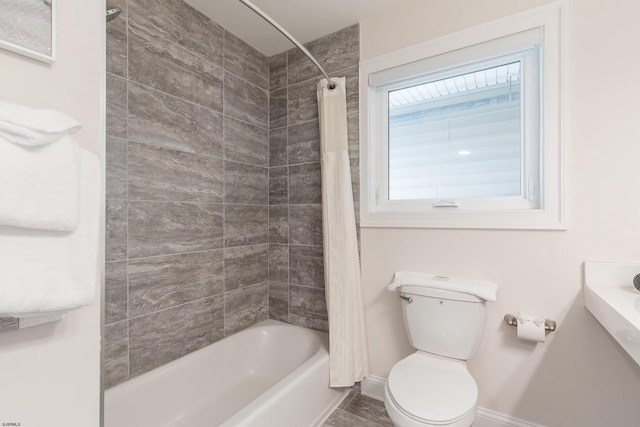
(359, 411)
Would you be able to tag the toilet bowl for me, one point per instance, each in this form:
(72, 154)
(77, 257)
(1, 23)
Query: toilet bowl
(428, 390)
(444, 320)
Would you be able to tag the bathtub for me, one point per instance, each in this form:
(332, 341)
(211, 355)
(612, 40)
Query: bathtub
(272, 374)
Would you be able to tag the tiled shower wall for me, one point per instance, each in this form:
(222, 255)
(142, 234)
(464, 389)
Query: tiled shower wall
(296, 278)
(213, 220)
(187, 185)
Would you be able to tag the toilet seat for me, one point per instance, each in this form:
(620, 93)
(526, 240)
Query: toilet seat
(432, 390)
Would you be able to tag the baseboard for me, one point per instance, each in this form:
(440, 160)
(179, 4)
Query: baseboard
(487, 418)
(373, 387)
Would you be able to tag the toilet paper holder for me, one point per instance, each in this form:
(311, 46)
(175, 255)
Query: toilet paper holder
(512, 320)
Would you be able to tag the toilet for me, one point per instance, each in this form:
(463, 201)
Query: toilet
(444, 320)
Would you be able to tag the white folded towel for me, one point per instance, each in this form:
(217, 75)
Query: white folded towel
(39, 175)
(39, 186)
(34, 127)
(44, 271)
(485, 290)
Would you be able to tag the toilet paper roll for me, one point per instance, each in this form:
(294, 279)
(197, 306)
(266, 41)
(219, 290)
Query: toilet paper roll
(530, 330)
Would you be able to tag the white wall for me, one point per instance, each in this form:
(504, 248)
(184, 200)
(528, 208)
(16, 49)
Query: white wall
(50, 374)
(580, 377)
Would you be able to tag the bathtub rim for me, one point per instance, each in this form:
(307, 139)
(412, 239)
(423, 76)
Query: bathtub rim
(315, 358)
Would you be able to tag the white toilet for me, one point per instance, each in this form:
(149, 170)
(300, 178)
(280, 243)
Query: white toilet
(444, 319)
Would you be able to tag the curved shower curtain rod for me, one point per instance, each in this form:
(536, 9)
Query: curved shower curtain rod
(285, 33)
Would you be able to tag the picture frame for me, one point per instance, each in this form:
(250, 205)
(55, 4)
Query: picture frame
(28, 27)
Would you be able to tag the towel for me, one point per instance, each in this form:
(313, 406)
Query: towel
(32, 127)
(45, 271)
(39, 186)
(485, 290)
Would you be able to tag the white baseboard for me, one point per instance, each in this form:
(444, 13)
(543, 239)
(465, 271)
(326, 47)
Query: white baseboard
(487, 418)
(373, 387)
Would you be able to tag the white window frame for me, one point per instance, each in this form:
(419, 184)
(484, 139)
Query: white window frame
(492, 40)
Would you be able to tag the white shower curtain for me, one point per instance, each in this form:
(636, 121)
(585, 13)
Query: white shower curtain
(347, 337)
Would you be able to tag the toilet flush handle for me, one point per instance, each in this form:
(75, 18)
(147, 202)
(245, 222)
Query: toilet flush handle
(407, 299)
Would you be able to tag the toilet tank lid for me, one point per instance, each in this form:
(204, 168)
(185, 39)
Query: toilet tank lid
(480, 288)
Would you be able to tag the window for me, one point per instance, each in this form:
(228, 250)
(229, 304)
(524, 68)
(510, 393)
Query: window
(464, 131)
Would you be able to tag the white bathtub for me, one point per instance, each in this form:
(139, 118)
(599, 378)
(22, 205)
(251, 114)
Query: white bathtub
(272, 374)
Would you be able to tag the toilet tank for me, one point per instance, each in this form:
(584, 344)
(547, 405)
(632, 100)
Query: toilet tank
(443, 322)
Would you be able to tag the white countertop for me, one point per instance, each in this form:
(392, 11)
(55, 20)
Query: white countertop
(610, 296)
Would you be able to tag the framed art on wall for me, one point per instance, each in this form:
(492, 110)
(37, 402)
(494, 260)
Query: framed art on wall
(27, 27)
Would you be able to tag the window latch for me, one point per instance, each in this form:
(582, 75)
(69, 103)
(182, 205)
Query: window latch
(445, 204)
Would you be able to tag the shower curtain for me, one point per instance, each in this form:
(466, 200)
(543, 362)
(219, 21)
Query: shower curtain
(347, 337)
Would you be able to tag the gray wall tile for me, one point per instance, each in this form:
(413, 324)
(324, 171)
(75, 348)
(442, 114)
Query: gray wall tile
(278, 108)
(246, 184)
(278, 147)
(245, 143)
(278, 186)
(307, 308)
(166, 121)
(305, 183)
(117, 40)
(278, 71)
(245, 307)
(116, 109)
(116, 173)
(299, 223)
(279, 263)
(354, 165)
(179, 23)
(160, 228)
(164, 336)
(246, 62)
(116, 230)
(303, 143)
(306, 266)
(279, 224)
(168, 175)
(162, 282)
(353, 110)
(116, 354)
(164, 66)
(246, 266)
(279, 301)
(302, 102)
(115, 292)
(245, 225)
(245, 102)
(334, 52)
(305, 224)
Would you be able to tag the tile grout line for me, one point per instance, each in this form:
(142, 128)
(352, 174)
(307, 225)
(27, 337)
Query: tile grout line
(269, 189)
(224, 192)
(182, 304)
(199, 56)
(286, 87)
(127, 191)
(213, 110)
(199, 155)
